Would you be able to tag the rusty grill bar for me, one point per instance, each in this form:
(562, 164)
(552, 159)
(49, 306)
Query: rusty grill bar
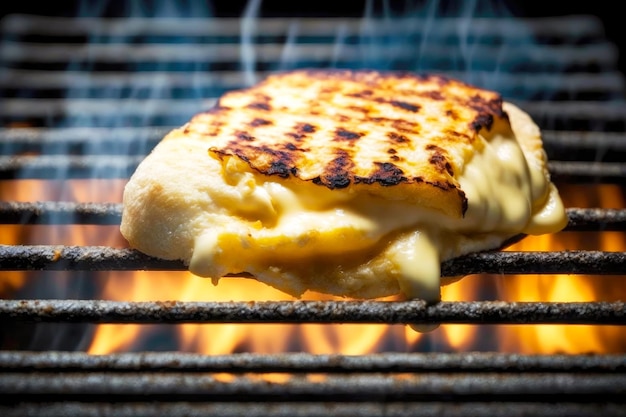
(384, 386)
(392, 384)
(304, 362)
(321, 409)
(75, 129)
(98, 258)
(398, 312)
(497, 384)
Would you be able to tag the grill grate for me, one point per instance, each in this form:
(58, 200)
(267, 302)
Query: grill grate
(497, 384)
(88, 98)
(97, 258)
(407, 312)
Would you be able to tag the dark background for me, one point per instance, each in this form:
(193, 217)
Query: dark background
(605, 10)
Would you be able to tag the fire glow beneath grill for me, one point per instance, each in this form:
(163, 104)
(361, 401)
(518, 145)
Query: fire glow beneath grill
(470, 58)
(351, 339)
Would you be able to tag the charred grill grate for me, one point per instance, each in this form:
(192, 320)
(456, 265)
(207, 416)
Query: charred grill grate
(88, 98)
(383, 384)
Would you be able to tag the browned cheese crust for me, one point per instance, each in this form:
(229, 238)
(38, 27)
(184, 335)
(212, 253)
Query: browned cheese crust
(402, 136)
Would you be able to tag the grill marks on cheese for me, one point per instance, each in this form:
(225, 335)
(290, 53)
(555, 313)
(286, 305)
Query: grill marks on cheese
(364, 130)
(349, 183)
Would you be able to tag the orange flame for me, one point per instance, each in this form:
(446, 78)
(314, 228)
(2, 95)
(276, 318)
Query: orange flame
(569, 288)
(350, 339)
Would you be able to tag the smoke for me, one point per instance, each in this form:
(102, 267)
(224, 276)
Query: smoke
(160, 62)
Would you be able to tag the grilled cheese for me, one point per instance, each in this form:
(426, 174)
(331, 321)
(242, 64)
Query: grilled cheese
(352, 183)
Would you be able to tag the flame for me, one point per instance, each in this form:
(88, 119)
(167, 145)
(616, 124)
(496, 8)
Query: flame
(327, 339)
(349, 339)
(569, 288)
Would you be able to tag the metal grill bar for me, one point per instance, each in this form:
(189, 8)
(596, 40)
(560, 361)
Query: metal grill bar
(585, 172)
(596, 219)
(575, 387)
(584, 146)
(99, 258)
(315, 409)
(53, 212)
(604, 54)
(99, 167)
(52, 167)
(98, 84)
(304, 362)
(82, 140)
(587, 27)
(544, 113)
(405, 312)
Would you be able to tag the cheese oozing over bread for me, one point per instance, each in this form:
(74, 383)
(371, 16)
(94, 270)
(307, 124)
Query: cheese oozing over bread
(352, 183)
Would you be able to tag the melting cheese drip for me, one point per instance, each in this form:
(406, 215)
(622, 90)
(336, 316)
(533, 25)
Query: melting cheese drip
(278, 229)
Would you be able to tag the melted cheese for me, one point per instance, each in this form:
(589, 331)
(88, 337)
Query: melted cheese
(273, 226)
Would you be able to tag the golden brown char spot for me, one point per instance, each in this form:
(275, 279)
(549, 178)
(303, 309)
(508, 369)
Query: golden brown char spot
(296, 136)
(457, 136)
(443, 185)
(301, 131)
(292, 147)
(337, 173)
(485, 109)
(281, 169)
(344, 134)
(397, 138)
(385, 174)
(305, 128)
(361, 94)
(393, 155)
(260, 106)
(433, 147)
(276, 162)
(433, 95)
(281, 163)
(452, 114)
(260, 122)
(360, 109)
(405, 106)
(241, 135)
(439, 160)
(413, 108)
(482, 120)
(406, 126)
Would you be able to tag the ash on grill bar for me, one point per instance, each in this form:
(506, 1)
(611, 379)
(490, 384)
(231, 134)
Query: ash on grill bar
(85, 99)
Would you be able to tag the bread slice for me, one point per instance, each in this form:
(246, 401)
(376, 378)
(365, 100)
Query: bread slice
(354, 183)
(399, 135)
